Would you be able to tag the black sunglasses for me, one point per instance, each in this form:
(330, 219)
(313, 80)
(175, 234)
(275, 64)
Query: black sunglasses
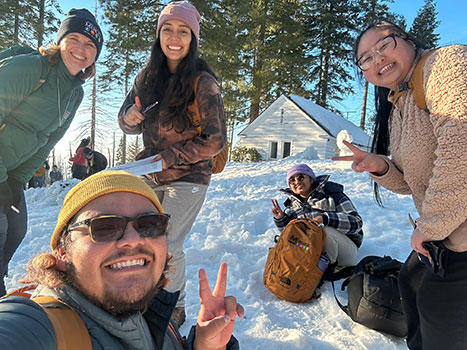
(297, 178)
(110, 228)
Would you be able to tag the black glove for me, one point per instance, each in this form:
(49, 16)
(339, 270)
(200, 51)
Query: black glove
(16, 189)
(6, 197)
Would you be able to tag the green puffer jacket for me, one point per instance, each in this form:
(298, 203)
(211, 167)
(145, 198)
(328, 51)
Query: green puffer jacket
(24, 325)
(33, 121)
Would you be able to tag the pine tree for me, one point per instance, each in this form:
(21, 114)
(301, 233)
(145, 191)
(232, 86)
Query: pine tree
(27, 22)
(256, 47)
(119, 159)
(130, 37)
(134, 149)
(330, 27)
(43, 20)
(424, 25)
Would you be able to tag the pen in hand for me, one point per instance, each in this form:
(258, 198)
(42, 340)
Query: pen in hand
(148, 108)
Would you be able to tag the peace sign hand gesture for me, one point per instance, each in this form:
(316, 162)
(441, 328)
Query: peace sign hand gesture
(216, 318)
(364, 161)
(276, 210)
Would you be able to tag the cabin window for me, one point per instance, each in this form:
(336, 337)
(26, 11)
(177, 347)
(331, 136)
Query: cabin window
(286, 149)
(273, 151)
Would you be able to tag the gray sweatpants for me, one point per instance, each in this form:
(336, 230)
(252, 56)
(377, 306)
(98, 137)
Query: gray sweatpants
(339, 247)
(12, 231)
(183, 201)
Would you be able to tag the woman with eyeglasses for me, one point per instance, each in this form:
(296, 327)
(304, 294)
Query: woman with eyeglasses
(317, 198)
(422, 153)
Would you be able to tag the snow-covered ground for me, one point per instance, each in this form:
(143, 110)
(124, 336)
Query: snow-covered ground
(235, 225)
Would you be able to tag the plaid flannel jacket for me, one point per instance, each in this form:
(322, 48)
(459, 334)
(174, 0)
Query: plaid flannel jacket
(329, 201)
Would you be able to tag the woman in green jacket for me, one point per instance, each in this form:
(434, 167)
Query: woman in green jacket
(40, 93)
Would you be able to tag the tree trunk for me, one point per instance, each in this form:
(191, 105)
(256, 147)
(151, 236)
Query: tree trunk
(40, 28)
(16, 25)
(93, 112)
(363, 116)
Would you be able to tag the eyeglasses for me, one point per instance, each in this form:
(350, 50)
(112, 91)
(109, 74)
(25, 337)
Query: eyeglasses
(109, 228)
(298, 178)
(382, 47)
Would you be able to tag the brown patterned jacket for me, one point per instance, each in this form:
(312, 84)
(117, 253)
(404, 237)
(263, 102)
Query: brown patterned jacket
(187, 155)
(429, 150)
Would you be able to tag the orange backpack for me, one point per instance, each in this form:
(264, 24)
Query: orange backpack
(70, 331)
(291, 272)
(220, 159)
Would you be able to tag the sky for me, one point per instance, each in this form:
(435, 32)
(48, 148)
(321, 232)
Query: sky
(452, 29)
(235, 226)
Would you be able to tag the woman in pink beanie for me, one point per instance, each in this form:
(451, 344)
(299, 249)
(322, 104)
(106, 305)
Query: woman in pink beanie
(157, 107)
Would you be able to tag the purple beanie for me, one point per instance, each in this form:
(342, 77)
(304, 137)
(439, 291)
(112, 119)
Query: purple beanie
(300, 169)
(183, 11)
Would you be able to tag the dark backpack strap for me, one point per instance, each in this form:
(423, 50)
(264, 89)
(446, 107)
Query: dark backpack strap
(342, 273)
(343, 308)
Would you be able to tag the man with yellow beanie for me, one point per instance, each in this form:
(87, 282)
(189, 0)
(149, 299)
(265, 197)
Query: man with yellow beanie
(108, 263)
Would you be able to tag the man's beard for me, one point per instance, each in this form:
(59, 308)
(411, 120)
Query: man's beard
(109, 303)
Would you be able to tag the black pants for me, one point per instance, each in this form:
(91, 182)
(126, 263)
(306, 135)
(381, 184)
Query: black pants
(13, 228)
(435, 307)
(78, 171)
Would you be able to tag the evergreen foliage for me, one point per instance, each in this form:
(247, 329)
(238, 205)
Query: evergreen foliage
(424, 25)
(28, 22)
(330, 31)
(119, 159)
(245, 154)
(128, 42)
(134, 149)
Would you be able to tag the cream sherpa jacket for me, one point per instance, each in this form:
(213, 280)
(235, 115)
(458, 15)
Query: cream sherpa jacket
(429, 150)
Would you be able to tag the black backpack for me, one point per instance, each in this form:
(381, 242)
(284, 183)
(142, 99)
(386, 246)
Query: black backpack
(373, 294)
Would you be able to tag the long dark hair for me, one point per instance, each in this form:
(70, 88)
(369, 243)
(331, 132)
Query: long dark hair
(380, 143)
(84, 142)
(175, 94)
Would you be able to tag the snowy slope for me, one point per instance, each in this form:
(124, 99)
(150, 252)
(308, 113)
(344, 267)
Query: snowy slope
(235, 226)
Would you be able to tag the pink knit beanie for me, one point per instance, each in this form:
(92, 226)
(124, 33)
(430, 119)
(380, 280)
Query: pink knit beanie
(183, 11)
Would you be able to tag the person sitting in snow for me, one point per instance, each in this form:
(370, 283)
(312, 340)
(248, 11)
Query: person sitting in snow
(109, 263)
(324, 201)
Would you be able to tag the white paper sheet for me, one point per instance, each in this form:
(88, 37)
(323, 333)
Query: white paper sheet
(140, 167)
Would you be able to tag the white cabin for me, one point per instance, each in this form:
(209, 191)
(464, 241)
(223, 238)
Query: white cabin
(291, 124)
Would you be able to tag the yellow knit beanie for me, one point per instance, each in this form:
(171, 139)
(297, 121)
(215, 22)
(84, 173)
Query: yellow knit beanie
(96, 186)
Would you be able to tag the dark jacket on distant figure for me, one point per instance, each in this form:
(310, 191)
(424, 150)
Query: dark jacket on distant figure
(55, 176)
(97, 163)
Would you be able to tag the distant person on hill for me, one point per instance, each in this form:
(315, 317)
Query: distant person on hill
(40, 92)
(422, 152)
(95, 161)
(55, 174)
(78, 169)
(317, 198)
(39, 175)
